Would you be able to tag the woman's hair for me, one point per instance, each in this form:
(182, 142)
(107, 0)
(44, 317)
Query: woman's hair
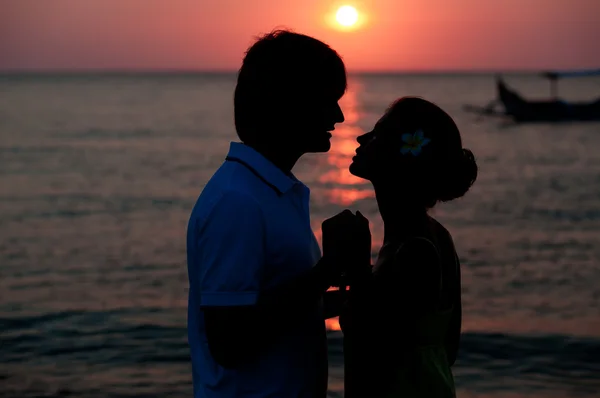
(444, 170)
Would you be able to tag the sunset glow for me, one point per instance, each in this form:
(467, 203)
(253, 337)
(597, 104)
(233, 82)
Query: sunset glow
(380, 35)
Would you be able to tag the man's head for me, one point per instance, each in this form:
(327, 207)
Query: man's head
(287, 93)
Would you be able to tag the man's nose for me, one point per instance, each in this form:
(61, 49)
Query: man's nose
(339, 117)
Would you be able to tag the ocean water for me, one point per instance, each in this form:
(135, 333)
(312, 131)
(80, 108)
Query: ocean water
(99, 174)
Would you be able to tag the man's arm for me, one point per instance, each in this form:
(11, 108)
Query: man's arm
(240, 316)
(237, 334)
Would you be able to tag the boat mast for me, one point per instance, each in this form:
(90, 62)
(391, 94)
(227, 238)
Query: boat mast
(553, 76)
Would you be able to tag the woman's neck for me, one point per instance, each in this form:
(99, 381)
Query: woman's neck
(401, 216)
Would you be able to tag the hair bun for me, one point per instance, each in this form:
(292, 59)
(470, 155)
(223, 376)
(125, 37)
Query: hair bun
(460, 176)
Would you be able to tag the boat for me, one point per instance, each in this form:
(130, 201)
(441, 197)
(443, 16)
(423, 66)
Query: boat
(552, 110)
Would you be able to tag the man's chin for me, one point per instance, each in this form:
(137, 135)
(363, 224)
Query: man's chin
(320, 146)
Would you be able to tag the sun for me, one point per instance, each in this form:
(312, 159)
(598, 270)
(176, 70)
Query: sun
(346, 16)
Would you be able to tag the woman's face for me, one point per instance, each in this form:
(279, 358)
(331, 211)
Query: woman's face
(374, 155)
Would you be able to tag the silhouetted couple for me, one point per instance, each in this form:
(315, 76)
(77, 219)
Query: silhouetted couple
(259, 295)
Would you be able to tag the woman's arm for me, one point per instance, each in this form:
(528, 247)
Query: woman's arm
(411, 284)
(383, 306)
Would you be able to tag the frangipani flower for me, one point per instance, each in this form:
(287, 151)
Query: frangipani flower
(414, 143)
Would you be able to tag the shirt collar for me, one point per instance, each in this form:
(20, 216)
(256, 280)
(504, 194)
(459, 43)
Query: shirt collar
(262, 167)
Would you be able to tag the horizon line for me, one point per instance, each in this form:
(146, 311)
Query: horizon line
(183, 71)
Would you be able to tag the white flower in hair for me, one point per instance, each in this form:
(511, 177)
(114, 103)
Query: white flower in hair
(414, 143)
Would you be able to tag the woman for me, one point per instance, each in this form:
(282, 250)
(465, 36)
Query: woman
(402, 320)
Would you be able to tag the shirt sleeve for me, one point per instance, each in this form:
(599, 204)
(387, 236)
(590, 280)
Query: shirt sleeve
(232, 252)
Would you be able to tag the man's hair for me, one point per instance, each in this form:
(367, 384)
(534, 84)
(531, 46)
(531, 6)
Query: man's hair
(279, 71)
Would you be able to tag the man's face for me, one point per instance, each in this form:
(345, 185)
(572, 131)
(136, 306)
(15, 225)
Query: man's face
(312, 119)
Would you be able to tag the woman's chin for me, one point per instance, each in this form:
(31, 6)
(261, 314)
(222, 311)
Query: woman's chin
(357, 170)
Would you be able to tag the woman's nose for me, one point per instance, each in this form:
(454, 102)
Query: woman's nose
(363, 138)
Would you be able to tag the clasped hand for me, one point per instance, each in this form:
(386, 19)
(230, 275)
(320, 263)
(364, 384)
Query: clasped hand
(346, 244)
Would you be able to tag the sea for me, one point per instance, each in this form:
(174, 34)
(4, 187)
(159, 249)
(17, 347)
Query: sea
(99, 173)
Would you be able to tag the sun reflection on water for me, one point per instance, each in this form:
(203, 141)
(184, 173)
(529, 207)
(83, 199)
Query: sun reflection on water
(345, 188)
(333, 324)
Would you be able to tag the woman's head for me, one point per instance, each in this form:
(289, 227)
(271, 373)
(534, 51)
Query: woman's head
(417, 148)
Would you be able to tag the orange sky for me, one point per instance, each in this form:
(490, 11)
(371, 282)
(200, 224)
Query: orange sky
(212, 34)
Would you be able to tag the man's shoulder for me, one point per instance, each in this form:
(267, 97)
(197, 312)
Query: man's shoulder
(226, 180)
(220, 209)
(235, 180)
(224, 198)
(231, 191)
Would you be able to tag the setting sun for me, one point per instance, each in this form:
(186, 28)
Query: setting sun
(347, 16)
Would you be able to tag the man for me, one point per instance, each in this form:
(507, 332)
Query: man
(255, 320)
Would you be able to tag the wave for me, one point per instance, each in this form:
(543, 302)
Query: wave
(123, 336)
(501, 361)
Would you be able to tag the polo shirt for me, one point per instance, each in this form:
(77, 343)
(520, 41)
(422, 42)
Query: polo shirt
(249, 231)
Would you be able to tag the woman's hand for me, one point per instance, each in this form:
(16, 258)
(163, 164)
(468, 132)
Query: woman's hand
(360, 265)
